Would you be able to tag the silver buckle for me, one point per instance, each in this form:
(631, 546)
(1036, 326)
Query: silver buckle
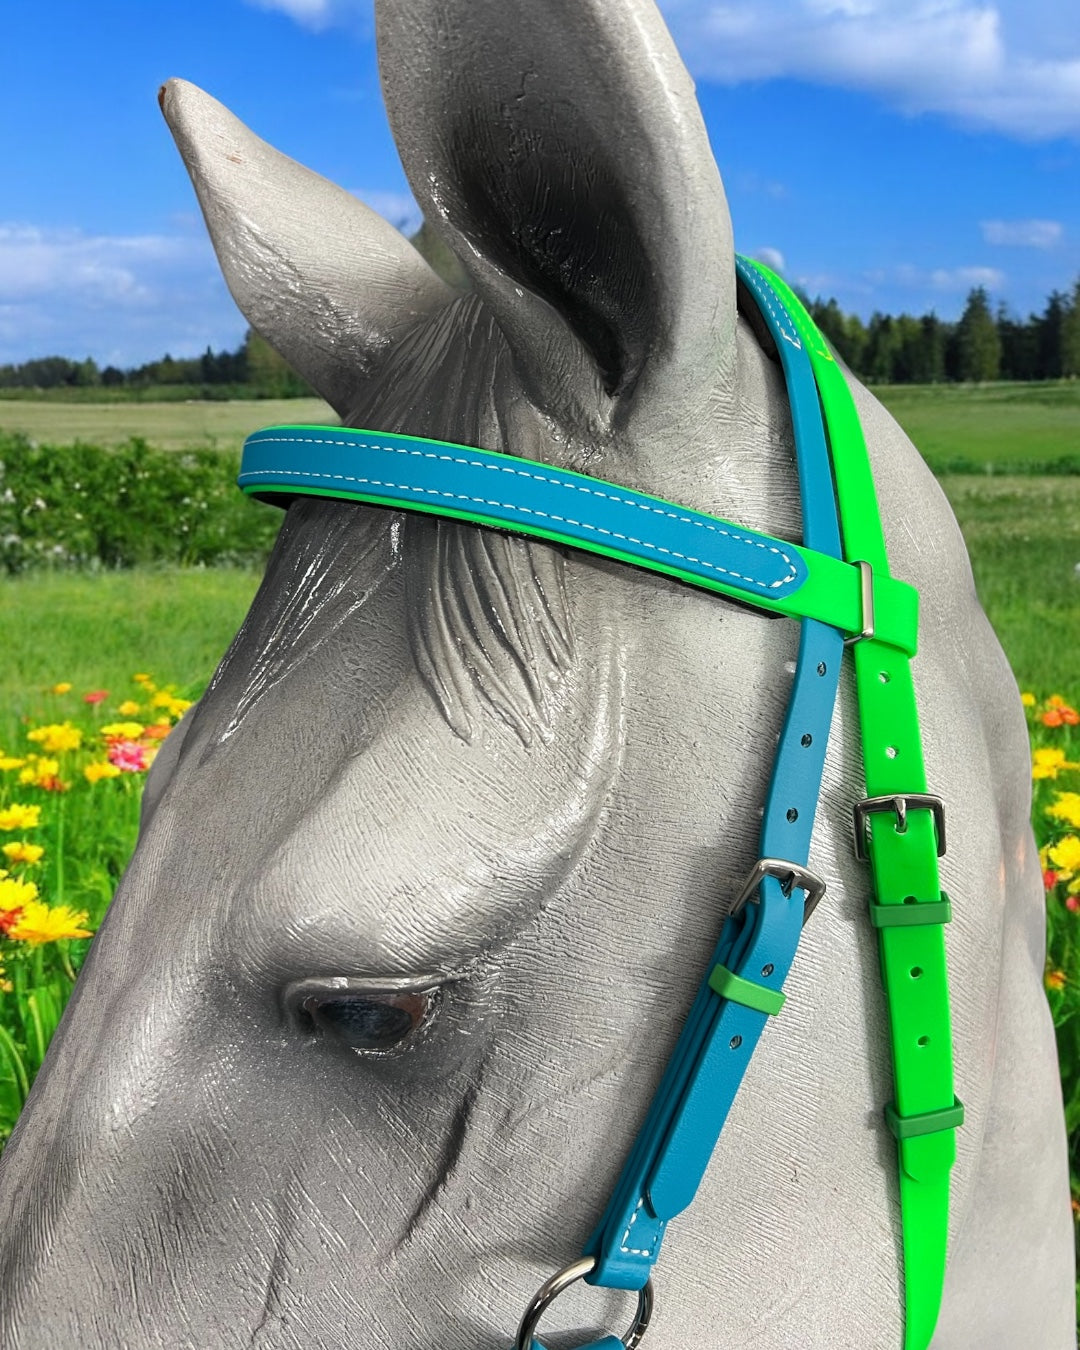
(899, 803)
(866, 591)
(547, 1293)
(789, 875)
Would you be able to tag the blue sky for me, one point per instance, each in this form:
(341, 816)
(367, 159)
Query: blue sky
(890, 153)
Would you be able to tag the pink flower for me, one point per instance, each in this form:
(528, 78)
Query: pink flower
(96, 696)
(1072, 902)
(128, 756)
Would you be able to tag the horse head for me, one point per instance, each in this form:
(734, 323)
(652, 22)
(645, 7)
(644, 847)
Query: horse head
(425, 881)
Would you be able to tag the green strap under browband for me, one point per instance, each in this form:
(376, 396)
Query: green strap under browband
(909, 907)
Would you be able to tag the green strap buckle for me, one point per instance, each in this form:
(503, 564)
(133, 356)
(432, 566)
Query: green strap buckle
(729, 985)
(925, 1122)
(910, 915)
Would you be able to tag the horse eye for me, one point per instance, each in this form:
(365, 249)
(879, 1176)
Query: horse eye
(368, 1021)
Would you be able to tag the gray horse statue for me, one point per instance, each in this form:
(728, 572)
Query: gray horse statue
(424, 882)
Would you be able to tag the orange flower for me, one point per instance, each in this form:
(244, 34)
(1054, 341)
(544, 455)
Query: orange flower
(9, 918)
(96, 696)
(1055, 979)
(1059, 713)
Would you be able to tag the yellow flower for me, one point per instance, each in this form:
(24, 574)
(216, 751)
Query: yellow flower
(57, 737)
(128, 708)
(1028, 700)
(40, 924)
(9, 762)
(19, 817)
(141, 677)
(1066, 807)
(99, 770)
(22, 852)
(123, 731)
(15, 894)
(1055, 979)
(39, 770)
(1064, 856)
(173, 706)
(1048, 762)
(62, 688)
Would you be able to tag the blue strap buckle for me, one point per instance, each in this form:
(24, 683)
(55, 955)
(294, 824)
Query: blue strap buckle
(789, 875)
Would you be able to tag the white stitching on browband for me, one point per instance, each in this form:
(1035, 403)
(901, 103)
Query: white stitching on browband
(525, 510)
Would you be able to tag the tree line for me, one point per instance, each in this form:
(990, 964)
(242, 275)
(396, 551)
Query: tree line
(981, 345)
(254, 368)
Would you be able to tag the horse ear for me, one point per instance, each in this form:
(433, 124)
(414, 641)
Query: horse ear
(323, 278)
(559, 150)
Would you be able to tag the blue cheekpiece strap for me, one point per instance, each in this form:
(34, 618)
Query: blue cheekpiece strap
(758, 941)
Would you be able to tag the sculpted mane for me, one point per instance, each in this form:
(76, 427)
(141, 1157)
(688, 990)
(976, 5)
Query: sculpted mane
(488, 623)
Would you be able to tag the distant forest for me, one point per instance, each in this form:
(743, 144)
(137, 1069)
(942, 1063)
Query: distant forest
(254, 370)
(981, 346)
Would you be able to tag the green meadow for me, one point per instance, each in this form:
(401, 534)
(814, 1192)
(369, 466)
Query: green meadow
(1000, 425)
(216, 425)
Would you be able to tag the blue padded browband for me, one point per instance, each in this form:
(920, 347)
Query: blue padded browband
(506, 492)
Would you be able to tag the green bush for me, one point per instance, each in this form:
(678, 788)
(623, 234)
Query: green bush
(82, 506)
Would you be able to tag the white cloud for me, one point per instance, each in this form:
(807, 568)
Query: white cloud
(1010, 65)
(321, 14)
(964, 278)
(907, 277)
(399, 208)
(1023, 233)
(771, 257)
(122, 299)
(1013, 66)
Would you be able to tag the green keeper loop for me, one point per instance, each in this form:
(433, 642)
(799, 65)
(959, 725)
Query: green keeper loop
(926, 1122)
(906, 916)
(731, 986)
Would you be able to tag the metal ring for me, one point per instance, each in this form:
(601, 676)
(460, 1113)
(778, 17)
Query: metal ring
(547, 1293)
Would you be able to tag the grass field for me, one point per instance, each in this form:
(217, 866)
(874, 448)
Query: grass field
(169, 426)
(994, 423)
(1023, 535)
(97, 631)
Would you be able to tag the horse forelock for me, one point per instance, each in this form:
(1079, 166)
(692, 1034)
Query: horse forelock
(487, 618)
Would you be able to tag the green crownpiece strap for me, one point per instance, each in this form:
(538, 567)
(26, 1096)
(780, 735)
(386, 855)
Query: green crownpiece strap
(903, 853)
